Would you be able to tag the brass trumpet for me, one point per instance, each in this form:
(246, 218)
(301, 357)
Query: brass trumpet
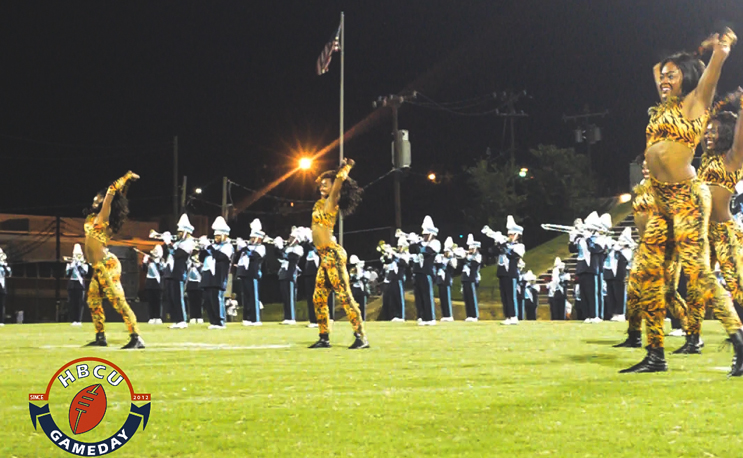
(159, 236)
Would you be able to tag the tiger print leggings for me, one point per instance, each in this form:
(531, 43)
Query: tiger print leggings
(333, 276)
(107, 281)
(685, 208)
(724, 239)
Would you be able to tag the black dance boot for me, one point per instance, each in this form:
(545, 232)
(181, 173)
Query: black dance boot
(693, 346)
(737, 368)
(134, 342)
(360, 342)
(100, 340)
(655, 361)
(324, 342)
(634, 340)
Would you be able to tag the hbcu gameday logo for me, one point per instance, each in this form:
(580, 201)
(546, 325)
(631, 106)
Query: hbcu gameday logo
(89, 406)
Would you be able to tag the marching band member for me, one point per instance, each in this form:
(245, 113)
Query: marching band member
(445, 264)
(585, 243)
(216, 258)
(309, 273)
(153, 264)
(509, 252)
(105, 218)
(471, 278)
(176, 259)
(395, 266)
(77, 270)
(250, 260)
(338, 193)
(615, 272)
(521, 292)
(289, 257)
(423, 250)
(531, 295)
(359, 283)
(604, 241)
(557, 289)
(194, 292)
(5, 272)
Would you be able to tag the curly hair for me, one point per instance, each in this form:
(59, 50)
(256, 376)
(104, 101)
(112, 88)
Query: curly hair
(119, 210)
(725, 131)
(691, 69)
(351, 192)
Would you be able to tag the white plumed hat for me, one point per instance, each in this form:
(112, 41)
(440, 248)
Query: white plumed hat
(471, 242)
(184, 224)
(512, 227)
(428, 227)
(77, 250)
(220, 226)
(256, 229)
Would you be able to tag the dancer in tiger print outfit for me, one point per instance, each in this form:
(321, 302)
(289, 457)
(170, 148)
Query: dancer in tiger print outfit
(338, 193)
(721, 170)
(686, 89)
(105, 218)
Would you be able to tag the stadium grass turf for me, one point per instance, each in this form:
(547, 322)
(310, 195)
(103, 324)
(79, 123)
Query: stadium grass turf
(453, 390)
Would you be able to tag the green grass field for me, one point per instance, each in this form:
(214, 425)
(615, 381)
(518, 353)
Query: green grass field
(454, 390)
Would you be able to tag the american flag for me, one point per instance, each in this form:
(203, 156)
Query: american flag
(323, 62)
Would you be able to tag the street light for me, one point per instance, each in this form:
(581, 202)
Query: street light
(523, 172)
(197, 191)
(432, 176)
(305, 163)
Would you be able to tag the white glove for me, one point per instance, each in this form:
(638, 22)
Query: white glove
(241, 243)
(203, 241)
(278, 242)
(167, 238)
(499, 238)
(146, 259)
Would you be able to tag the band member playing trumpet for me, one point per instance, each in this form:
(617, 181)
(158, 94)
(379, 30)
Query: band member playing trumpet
(153, 264)
(531, 295)
(77, 270)
(216, 258)
(338, 193)
(557, 290)
(395, 264)
(249, 257)
(359, 283)
(444, 265)
(176, 258)
(615, 271)
(309, 273)
(5, 272)
(471, 279)
(289, 255)
(423, 250)
(105, 218)
(584, 241)
(509, 252)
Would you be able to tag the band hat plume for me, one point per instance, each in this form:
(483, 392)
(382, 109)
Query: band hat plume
(626, 236)
(184, 224)
(512, 227)
(428, 227)
(471, 242)
(606, 221)
(448, 243)
(256, 229)
(77, 250)
(530, 277)
(593, 222)
(558, 263)
(353, 259)
(220, 226)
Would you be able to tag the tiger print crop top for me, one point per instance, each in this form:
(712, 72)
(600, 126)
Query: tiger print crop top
(99, 232)
(714, 172)
(322, 218)
(644, 201)
(667, 123)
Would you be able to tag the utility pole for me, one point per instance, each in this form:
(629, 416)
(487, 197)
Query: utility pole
(57, 275)
(175, 178)
(586, 131)
(183, 194)
(510, 98)
(394, 102)
(225, 183)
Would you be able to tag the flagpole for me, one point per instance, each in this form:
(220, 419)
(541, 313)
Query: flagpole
(343, 53)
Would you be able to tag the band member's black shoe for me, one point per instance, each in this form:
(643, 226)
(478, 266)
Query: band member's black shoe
(736, 370)
(634, 340)
(100, 340)
(655, 361)
(134, 342)
(693, 346)
(360, 342)
(323, 342)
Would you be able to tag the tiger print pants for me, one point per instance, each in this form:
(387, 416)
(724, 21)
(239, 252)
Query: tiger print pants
(685, 208)
(107, 281)
(724, 239)
(333, 276)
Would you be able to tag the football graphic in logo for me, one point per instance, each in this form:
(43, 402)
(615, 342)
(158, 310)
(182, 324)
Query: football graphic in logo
(87, 409)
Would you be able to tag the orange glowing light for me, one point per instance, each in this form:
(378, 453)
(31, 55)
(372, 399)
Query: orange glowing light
(432, 176)
(305, 163)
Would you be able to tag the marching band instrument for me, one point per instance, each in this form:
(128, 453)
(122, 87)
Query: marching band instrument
(159, 236)
(569, 229)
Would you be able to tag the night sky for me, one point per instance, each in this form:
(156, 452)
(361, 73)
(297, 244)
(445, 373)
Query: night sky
(91, 89)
